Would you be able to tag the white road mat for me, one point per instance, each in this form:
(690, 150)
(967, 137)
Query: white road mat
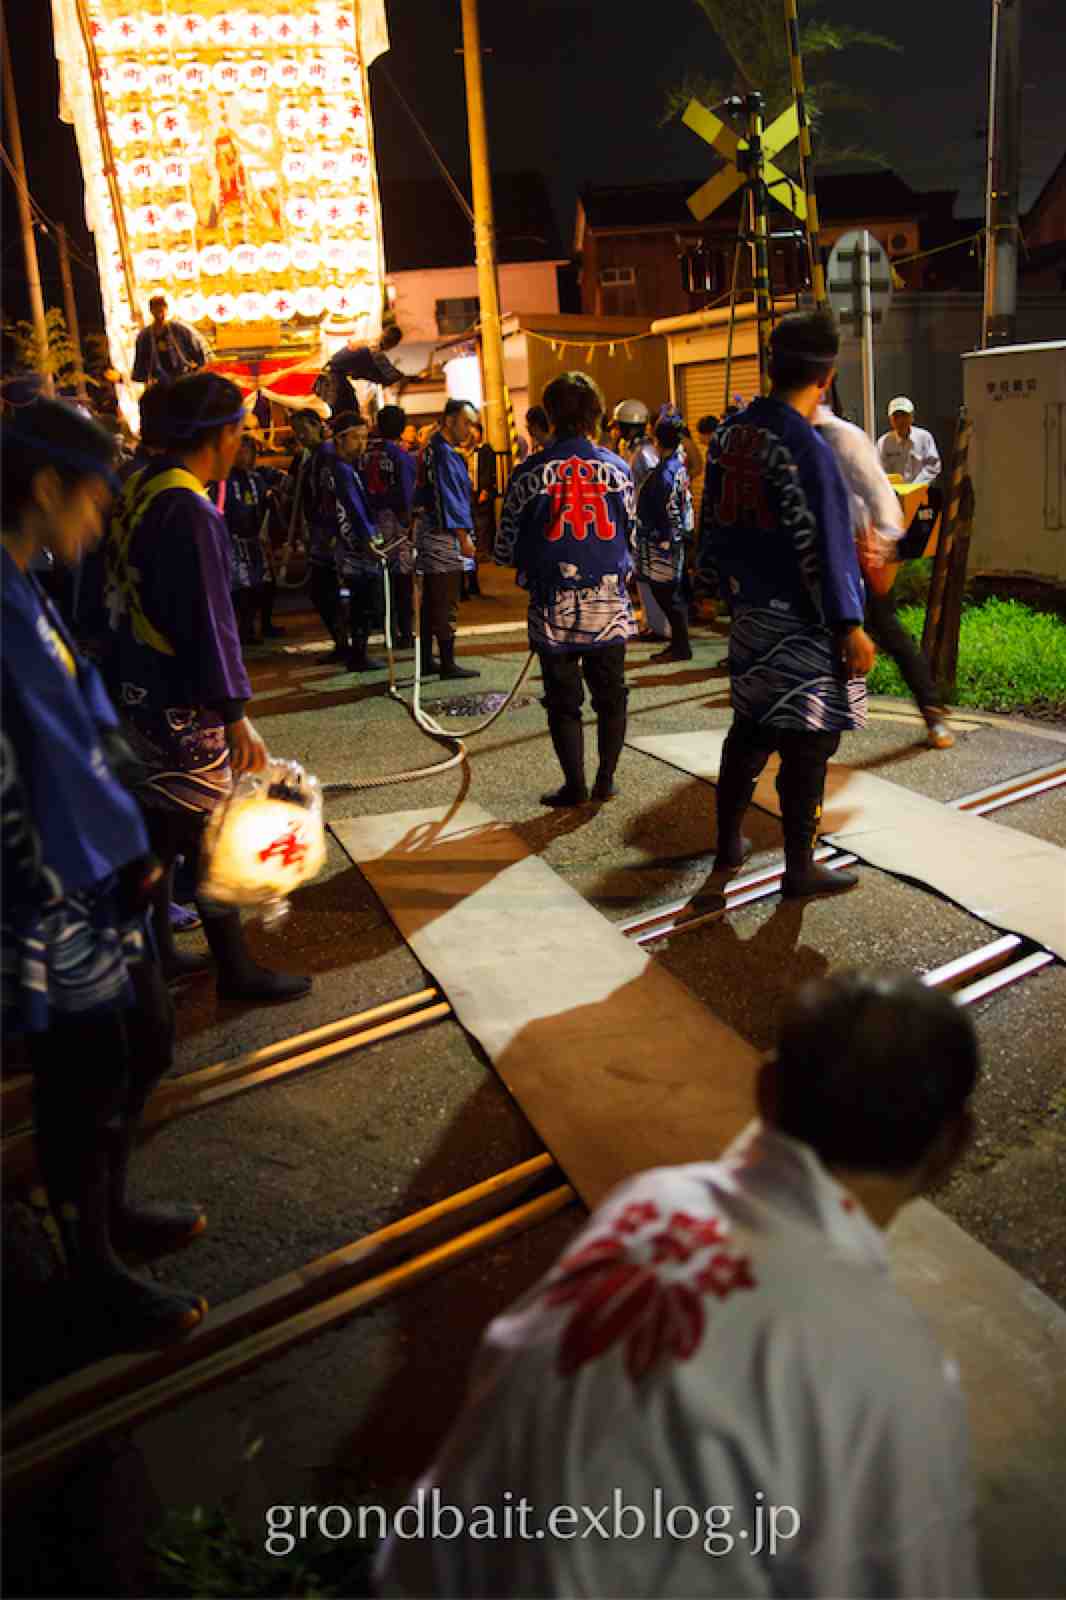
(1008, 879)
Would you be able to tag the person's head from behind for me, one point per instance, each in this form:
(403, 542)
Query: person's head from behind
(157, 309)
(874, 1072)
(57, 480)
(153, 418)
(392, 422)
(308, 429)
(668, 435)
(803, 358)
(574, 405)
(204, 422)
(391, 337)
(705, 427)
(350, 433)
(538, 427)
(457, 422)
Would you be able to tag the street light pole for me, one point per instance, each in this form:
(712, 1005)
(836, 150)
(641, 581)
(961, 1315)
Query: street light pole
(1003, 175)
(497, 428)
(22, 193)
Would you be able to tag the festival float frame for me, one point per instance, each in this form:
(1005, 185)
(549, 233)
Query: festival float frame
(228, 159)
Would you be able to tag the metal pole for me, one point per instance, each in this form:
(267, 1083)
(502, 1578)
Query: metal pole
(806, 157)
(22, 193)
(71, 306)
(1003, 175)
(496, 425)
(869, 407)
(759, 230)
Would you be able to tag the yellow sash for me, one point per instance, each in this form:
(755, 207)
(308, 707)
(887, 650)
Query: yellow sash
(137, 497)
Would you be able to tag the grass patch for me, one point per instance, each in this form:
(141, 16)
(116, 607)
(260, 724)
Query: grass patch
(1011, 658)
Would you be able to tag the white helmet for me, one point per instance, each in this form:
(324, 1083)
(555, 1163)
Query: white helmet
(631, 413)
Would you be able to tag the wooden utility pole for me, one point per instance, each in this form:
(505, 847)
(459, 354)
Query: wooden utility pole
(1003, 175)
(22, 192)
(71, 307)
(497, 427)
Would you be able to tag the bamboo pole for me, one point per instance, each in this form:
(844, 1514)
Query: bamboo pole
(22, 195)
(110, 168)
(934, 607)
(26, 1462)
(806, 154)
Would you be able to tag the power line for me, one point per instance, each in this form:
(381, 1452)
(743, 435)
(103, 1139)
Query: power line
(430, 146)
(46, 224)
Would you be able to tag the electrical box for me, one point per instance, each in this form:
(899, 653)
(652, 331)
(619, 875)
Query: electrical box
(1016, 395)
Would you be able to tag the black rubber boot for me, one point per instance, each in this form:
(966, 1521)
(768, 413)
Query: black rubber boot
(175, 963)
(739, 773)
(610, 740)
(403, 609)
(146, 1230)
(448, 665)
(239, 977)
(800, 787)
(359, 661)
(568, 738)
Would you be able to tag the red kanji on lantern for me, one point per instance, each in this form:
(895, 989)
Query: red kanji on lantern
(290, 848)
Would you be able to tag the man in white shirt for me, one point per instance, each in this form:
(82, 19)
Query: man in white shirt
(719, 1390)
(906, 451)
(878, 521)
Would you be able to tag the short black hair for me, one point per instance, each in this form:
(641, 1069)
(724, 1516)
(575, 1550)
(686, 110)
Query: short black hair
(198, 407)
(668, 434)
(49, 433)
(153, 415)
(392, 420)
(391, 337)
(345, 420)
(871, 1067)
(537, 417)
(574, 404)
(803, 349)
(707, 424)
(453, 406)
(158, 300)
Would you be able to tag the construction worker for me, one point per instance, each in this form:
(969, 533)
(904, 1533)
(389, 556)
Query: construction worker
(777, 523)
(566, 526)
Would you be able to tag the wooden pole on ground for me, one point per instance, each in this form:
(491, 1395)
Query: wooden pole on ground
(934, 609)
(954, 592)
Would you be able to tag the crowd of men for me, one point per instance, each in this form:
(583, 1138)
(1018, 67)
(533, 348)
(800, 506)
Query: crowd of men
(724, 1335)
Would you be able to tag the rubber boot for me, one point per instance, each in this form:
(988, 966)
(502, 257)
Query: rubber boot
(174, 962)
(403, 606)
(239, 977)
(359, 661)
(610, 739)
(568, 738)
(739, 773)
(448, 665)
(938, 736)
(430, 666)
(800, 788)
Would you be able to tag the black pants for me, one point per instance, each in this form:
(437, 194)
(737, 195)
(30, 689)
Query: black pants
(800, 779)
(365, 603)
(892, 637)
(440, 608)
(402, 589)
(326, 599)
(670, 596)
(602, 670)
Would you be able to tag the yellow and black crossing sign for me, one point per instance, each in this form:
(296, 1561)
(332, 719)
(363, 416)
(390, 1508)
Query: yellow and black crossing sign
(736, 152)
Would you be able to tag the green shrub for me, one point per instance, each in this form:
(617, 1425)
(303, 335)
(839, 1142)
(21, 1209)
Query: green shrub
(204, 1556)
(1011, 658)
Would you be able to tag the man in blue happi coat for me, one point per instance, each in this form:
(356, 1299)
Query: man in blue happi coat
(443, 520)
(776, 524)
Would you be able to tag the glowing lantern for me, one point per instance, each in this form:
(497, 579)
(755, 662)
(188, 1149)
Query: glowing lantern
(300, 213)
(337, 255)
(130, 78)
(251, 308)
(286, 74)
(101, 35)
(327, 121)
(125, 33)
(274, 258)
(230, 29)
(221, 307)
(315, 73)
(156, 32)
(164, 82)
(306, 257)
(348, 77)
(172, 126)
(142, 174)
(280, 305)
(185, 266)
(336, 214)
(226, 77)
(297, 168)
(180, 217)
(190, 31)
(245, 260)
(292, 123)
(257, 31)
(265, 840)
(153, 265)
(340, 302)
(175, 173)
(191, 308)
(195, 78)
(255, 74)
(283, 30)
(310, 302)
(147, 219)
(214, 261)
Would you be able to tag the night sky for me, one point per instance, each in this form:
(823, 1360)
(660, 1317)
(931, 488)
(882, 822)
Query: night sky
(576, 88)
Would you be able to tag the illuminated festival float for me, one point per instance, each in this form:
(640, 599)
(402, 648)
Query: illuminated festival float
(228, 159)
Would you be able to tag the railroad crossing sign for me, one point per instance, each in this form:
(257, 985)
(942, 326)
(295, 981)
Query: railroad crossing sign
(844, 280)
(735, 151)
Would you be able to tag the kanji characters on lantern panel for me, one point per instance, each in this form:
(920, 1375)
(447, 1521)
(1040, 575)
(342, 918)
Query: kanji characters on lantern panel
(242, 151)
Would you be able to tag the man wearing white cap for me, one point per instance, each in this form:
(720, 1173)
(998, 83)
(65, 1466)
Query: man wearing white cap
(906, 451)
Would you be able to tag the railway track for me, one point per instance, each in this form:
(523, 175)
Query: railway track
(65, 1418)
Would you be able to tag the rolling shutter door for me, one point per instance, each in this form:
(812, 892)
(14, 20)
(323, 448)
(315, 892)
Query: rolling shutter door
(701, 386)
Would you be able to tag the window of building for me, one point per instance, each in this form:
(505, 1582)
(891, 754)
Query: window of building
(456, 316)
(618, 277)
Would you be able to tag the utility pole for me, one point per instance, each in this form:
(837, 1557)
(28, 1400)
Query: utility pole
(759, 222)
(71, 306)
(497, 428)
(1003, 175)
(22, 192)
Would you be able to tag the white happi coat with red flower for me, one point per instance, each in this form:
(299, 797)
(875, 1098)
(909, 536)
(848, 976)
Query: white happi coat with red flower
(720, 1335)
